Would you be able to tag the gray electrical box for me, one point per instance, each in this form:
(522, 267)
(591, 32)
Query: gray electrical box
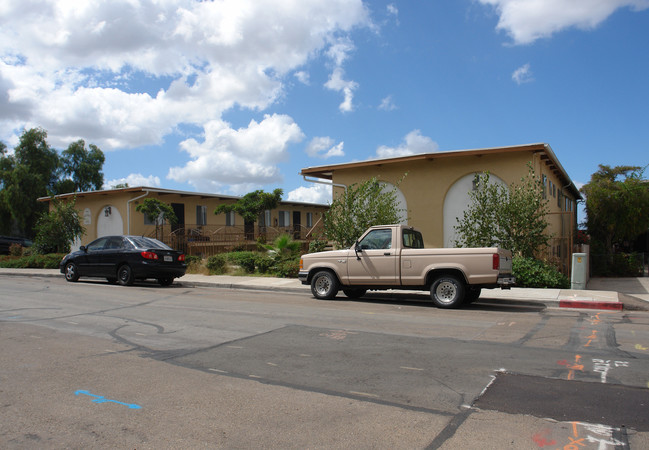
(579, 277)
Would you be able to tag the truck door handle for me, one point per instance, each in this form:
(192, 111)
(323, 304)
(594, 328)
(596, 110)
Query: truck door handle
(386, 254)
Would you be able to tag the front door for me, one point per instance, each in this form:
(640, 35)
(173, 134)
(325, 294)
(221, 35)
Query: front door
(179, 211)
(297, 224)
(377, 261)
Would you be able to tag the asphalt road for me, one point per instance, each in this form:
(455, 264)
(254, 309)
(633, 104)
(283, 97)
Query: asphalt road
(94, 365)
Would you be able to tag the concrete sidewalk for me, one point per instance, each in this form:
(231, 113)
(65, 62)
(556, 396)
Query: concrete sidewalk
(602, 293)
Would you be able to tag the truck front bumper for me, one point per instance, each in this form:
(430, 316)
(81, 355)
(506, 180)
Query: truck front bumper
(302, 276)
(506, 281)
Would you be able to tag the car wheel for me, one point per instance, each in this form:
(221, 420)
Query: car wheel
(166, 281)
(111, 280)
(324, 285)
(125, 275)
(354, 293)
(71, 272)
(447, 291)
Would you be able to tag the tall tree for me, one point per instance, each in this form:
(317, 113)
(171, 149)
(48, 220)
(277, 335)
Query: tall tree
(511, 217)
(25, 176)
(157, 212)
(252, 204)
(617, 205)
(361, 206)
(83, 167)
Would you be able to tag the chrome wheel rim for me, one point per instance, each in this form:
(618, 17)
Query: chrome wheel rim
(69, 272)
(322, 285)
(446, 292)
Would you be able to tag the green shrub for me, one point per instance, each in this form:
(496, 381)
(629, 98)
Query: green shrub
(317, 245)
(34, 261)
(16, 250)
(216, 264)
(533, 273)
(287, 268)
(264, 263)
(245, 260)
(617, 265)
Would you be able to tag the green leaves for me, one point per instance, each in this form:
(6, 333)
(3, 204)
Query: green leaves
(252, 204)
(57, 229)
(358, 208)
(509, 217)
(617, 205)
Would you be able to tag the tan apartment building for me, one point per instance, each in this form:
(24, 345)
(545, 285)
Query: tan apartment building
(435, 191)
(198, 230)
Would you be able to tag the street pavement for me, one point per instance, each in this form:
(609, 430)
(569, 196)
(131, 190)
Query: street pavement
(601, 293)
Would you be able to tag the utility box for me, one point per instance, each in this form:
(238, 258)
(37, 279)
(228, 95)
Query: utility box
(579, 277)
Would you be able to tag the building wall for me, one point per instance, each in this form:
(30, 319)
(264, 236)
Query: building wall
(109, 212)
(428, 182)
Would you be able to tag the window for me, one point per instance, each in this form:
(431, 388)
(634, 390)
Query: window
(377, 239)
(201, 215)
(309, 219)
(560, 194)
(412, 239)
(545, 186)
(284, 219)
(229, 219)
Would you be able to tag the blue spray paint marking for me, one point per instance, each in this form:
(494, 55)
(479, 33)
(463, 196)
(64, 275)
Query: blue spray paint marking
(101, 399)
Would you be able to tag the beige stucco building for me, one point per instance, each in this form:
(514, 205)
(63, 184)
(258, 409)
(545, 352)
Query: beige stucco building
(199, 230)
(435, 191)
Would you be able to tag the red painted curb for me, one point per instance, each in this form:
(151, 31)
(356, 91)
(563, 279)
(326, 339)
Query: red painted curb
(615, 306)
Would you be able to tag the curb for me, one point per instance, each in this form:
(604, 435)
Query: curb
(586, 304)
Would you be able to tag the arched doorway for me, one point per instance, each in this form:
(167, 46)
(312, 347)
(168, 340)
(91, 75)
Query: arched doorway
(109, 221)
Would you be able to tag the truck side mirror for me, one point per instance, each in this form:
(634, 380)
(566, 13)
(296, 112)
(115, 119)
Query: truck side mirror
(357, 249)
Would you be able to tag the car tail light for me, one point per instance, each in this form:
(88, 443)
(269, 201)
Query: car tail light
(149, 255)
(496, 261)
(181, 258)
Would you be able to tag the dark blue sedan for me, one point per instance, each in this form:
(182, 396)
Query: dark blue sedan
(124, 259)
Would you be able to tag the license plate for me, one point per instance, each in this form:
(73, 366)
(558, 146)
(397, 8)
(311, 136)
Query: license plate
(168, 258)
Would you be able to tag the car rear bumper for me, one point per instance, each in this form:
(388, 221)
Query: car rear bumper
(506, 281)
(158, 271)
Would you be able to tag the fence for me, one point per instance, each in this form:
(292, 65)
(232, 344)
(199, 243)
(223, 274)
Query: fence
(208, 240)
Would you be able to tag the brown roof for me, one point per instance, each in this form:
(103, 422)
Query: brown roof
(326, 172)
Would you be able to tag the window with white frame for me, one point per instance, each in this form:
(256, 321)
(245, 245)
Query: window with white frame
(201, 215)
(229, 219)
(284, 219)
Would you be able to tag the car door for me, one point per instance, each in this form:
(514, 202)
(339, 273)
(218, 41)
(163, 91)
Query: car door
(377, 261)
(111, 255)
(90, 262)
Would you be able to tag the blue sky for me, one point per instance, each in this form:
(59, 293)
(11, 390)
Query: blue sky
(235, 95)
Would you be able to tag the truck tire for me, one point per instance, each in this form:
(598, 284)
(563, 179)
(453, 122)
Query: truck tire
(354, 292)
(472, 294)
(324, 285)
(447, 291)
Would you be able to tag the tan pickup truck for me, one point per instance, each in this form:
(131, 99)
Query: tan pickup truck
(394, 257)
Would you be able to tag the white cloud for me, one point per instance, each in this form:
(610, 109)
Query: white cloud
(324, 147)
(240, 159)
(523, 75)
(527, 21)
(387, 104)
(303, 77)
(134, 180)
(337, 83)
(414, 143)
(318, 193)
(124, 73)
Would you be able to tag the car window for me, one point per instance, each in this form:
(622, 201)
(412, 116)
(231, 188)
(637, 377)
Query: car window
(377, 239)
(114, 243)
(412, 239)
(145, 242)
(97, 244)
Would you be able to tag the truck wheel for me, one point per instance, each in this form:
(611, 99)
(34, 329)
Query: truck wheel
(447, 291)
(354, 293)
(324, 285)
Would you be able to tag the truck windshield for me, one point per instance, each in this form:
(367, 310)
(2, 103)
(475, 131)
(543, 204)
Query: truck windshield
(412, 239)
